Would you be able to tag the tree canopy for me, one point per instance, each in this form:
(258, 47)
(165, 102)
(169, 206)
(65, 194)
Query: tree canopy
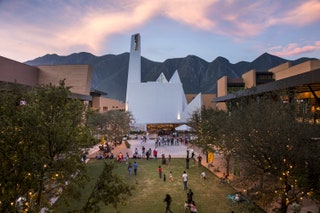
(270, 140)
(42, 137)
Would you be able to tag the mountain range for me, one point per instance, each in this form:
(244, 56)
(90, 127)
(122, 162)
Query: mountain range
(110, 72)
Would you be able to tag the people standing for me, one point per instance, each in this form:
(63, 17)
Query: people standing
(187, 163)
(199, 160)
(163, 159)
(129, 169)
(168, 201)
(160, 172)
(143, 151)
(135, 168)
(185, 180)
(189, 196)
(148, 154)
(155, 154)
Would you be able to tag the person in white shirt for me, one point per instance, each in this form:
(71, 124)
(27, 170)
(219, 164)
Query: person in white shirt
(203, 175)
(185, 180)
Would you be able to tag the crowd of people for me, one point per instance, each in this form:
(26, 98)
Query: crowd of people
(152, 154)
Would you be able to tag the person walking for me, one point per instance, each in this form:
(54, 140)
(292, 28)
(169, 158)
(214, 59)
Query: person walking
(135, 168)
(168, 201)
(160, 172)
(185, 180)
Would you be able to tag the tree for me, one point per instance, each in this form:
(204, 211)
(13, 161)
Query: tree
(44, 133)
(114, 124)
(210, 127)
(269, 139)
(109, 189)
(16, 176)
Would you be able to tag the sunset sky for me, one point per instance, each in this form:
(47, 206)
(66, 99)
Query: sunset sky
(239, 30)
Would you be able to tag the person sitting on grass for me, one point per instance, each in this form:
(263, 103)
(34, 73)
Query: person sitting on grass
(237, 197)
(203, 176)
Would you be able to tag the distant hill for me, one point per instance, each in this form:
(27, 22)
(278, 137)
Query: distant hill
(197, 75)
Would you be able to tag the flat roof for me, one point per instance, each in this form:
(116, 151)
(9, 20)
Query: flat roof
(302, 83)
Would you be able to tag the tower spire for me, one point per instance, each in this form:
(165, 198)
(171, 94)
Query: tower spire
(134, 72)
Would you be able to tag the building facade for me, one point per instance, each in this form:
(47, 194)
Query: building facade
(159, 102)
(300, 82)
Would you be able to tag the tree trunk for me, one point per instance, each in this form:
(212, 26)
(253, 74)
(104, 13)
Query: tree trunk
(39, 195)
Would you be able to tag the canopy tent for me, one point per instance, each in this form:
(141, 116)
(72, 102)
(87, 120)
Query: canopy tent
(183, 127)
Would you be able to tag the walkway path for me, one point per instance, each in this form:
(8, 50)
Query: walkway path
(176, 151)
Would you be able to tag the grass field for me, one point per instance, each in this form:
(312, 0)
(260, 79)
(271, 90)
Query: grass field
(209, 195)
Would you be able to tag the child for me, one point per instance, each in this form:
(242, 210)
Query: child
(186, 207)
(170, 177)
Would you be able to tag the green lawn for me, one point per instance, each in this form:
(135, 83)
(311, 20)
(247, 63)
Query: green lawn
(150, 190)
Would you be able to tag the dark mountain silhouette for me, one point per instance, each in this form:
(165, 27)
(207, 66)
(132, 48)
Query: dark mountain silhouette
(197, 75)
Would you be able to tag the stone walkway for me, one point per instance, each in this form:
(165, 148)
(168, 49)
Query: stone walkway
(176, 151)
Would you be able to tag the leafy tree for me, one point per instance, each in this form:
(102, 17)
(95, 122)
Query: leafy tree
(16, 176)
(110, 189)
(114, 124)
(269, 139)
(44, 133)
(210, 126)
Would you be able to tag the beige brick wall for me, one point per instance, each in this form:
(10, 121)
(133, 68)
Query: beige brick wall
(222, 90)
(280, 67)
(249, 79)
(105, 104)
(78, 77)
(16, 72)
(296, 70)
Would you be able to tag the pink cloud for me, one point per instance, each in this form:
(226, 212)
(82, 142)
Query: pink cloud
(294, 49)
(305, 13)
(194, 13)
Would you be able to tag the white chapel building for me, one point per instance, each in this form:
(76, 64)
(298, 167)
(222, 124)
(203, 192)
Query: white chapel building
(159, 102)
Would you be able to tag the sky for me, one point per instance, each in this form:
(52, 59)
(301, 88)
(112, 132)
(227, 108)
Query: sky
(239, 30)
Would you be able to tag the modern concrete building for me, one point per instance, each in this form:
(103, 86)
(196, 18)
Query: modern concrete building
(78, 77)
(206, 99)
(302, 80)
(102, 104)
(155, 103)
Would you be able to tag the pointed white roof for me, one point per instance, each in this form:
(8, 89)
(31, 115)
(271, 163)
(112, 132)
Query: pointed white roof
(194, 105)
(156, 102)
(175, 78)
(162, 78)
